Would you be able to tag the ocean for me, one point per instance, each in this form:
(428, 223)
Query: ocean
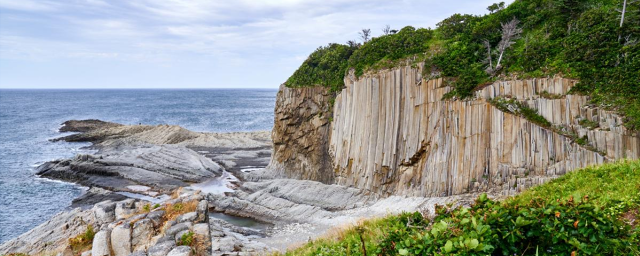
(29, 118)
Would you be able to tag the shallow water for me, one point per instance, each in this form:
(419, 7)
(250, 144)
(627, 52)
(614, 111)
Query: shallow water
(241, 221)
(28, 118)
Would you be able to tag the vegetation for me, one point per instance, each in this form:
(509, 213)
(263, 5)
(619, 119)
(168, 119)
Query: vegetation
(515, 107)
(186, 239)
(83, 241)
(586, 40)
(585, 212)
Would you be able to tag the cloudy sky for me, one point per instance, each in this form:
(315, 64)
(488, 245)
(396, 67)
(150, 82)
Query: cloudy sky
(188, 43)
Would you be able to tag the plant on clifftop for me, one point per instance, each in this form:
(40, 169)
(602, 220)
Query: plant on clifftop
(324, 67)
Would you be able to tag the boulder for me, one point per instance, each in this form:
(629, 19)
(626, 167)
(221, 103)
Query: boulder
(101, 243)
(173, 230)
(104, 212)
(203, 212)
(180, 251)
(203, 234)
(179, 235)
(156, 218)
(187, 217)
(121, 240)
(138, 253)
(125, 208)
(161, 248)
(141, 234)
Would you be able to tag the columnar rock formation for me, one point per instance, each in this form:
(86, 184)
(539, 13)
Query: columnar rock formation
(392, 133)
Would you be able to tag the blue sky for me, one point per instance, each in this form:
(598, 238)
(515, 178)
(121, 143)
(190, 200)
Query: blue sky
(188, 43)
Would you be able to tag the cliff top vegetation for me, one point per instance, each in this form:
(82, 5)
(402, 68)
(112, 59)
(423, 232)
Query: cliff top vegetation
(589, 40)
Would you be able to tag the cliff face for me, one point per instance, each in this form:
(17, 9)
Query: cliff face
(301, 134)
(392, 134)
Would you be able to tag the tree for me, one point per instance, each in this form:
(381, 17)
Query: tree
(353, 44)
(496, 7)
(510, 32)
(365, 35)
(386, 30)
(454, 25)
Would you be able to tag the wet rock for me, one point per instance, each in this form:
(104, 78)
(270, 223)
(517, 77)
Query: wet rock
(121, 240)
(161, 248)
(180, 251)
(141, 234)
(101, 243)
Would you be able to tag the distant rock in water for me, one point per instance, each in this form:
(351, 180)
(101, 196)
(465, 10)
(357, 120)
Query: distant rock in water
(85, 125)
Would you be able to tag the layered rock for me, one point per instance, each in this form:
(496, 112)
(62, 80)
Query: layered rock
(300, 133)
(393, 134)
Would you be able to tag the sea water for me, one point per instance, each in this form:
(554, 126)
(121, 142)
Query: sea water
(29, 118)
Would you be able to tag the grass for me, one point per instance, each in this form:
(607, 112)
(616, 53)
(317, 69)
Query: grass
(591, 211)
(83, 241)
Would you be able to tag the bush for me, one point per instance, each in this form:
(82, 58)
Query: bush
(324, 67)
(580, 213)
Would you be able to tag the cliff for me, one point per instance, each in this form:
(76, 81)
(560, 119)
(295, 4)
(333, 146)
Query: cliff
(391, 133)
(300, 134)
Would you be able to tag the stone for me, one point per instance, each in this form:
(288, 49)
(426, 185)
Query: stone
(86, 253)
(161, 248)
(203, 234)
(179, 235)
(156, 218)
(138, 253)
(173, 230)
(104, 212)
(121, 240)
(141, 234)
(180, 251)
(202, 211)
(187, 217)
(101, 245)
(125, 208)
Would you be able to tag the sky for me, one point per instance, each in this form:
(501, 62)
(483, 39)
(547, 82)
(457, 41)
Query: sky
(188, 43)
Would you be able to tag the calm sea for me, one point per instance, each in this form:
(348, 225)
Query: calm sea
(29, 118)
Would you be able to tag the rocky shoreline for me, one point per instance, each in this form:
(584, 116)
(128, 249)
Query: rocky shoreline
(142, 170)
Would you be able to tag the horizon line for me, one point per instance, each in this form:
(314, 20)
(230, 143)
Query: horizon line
(140, 88)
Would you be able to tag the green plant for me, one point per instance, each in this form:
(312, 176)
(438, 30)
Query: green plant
(83, 240)
(186, 239)
(580, 213)
(155, 206)
(146, 207)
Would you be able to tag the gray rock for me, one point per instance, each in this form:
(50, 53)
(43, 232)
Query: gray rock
(138, 253)
(161, 248)
(202, 232)
(187, 217)
(121, 240)
(156, 218)
(173, 230)
(86, 253)
(141, 234)
(101, 243)
(180, 251)
(164, 239)
(203, 212)
(125, 208)
(180, 234)
(104, 212)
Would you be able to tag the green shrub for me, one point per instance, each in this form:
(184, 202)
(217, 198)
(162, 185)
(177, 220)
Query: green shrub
(186, 239)
(580, 212)
(324, 67)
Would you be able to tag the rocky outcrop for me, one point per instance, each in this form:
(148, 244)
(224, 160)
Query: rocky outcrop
(300, 134)
(393, 134)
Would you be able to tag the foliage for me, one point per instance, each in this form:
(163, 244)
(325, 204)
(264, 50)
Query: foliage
(407, 42)
(186, 239)
(82, 241)
(517, 108)
(324, 67)
(579, 213)
(579, 39)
